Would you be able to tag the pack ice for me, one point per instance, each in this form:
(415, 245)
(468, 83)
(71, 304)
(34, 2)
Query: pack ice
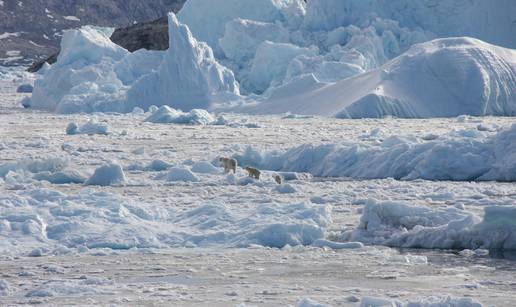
(51, 222)
(350, 59)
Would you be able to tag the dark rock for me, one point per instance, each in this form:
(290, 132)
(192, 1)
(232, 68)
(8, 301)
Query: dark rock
(36, 26)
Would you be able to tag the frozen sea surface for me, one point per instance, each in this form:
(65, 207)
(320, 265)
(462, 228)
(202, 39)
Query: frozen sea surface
(168, 254)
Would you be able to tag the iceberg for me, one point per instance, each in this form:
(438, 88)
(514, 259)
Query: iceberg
(441, 78)
(92, 74)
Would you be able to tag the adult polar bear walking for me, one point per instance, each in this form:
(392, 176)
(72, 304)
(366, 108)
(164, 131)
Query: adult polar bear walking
(229, 164)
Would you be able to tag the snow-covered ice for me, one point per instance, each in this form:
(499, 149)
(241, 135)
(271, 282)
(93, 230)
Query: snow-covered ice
(403, 225)
(197, 224)
(106, 175)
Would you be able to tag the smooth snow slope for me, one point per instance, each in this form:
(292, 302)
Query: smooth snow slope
(441, 78)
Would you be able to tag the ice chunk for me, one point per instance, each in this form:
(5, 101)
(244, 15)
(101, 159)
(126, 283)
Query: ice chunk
(205, 167)
(5, 289)
(90, 128)
(25, 88)
(337, 245)
(82, 79)
(285, 189)
(168, 115)
(62, 177)
(88, 44)
(51, 165)
(108, 175)
(403, 225)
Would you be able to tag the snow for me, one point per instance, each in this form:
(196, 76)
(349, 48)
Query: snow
(102, 220)
(165, 225)
(107, 175)
(424, 302)
(162, 242)
(466, 155)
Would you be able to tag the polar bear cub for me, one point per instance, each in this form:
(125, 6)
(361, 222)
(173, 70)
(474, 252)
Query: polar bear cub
(278, 178)
(229, 164)
(253, 172)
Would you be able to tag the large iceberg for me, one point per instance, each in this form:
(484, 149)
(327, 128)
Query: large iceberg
(441, 78)
(83, 78)
(189, 76)
(351, 59)
(92, 74)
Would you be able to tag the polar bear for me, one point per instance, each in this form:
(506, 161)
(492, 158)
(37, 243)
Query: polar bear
(278, 178)
(229, 164)
(253, 172)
